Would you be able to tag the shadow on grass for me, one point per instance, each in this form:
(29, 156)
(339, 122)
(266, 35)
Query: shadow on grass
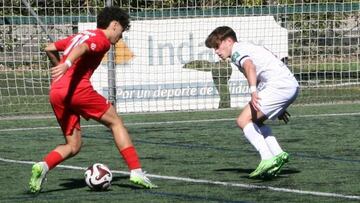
(247, 171)
(76, 183)
(235, 170)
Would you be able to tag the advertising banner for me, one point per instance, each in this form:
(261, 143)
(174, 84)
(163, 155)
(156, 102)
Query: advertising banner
(163, 65)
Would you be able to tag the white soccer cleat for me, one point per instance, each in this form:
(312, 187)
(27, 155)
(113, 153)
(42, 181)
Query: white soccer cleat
(137, 176)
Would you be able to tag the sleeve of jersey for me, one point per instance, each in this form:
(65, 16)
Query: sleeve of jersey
(238, 57)
(96, 44)
(62, 44)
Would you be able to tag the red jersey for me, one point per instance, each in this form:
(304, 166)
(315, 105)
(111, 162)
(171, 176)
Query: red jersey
(82, 69)
(73, 95)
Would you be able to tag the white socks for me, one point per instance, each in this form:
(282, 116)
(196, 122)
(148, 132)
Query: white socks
(270, 140)
(45, 166)
(252, 133)
(138, 170)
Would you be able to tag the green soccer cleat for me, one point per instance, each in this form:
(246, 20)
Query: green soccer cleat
(139, 178)
(281, 160)
(264, 166)
(38, 175)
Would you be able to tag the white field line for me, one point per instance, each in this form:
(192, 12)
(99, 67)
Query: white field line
(202, 181)
(179, 122)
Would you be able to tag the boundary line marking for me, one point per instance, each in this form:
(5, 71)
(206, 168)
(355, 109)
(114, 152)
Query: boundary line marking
(179, 122)
(203, 181)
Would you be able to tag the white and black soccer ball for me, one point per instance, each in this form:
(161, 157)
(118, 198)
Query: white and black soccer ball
(98, 177)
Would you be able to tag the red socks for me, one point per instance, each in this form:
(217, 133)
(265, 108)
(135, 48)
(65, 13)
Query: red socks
(52, 159)
(129, 154)
(131, 158)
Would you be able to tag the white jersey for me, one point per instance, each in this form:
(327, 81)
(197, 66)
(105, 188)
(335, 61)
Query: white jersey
(269, 69)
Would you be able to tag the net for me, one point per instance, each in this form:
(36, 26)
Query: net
(162, 64)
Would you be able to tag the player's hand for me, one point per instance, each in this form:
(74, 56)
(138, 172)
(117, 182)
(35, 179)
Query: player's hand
(58, 71)
(255, 101)
(285, 117)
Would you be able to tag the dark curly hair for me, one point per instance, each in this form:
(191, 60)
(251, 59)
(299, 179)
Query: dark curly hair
(109, 14)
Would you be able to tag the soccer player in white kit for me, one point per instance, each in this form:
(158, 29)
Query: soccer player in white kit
(273, 88)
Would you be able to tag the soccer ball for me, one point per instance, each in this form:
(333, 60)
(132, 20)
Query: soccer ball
(98, 177)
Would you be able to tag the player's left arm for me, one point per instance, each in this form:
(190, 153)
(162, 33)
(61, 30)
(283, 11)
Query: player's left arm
(53, 54)
(76, 53)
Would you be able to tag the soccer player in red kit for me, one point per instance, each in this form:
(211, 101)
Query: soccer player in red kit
(72, 95)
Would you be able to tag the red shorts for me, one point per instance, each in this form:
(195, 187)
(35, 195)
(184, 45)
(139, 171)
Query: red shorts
(68, 107)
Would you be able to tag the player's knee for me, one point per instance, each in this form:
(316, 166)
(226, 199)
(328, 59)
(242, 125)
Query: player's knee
(242, 122)
(117, 123)
(75, 148)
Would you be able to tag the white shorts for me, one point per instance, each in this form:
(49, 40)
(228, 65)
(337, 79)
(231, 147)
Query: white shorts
(274, 101)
